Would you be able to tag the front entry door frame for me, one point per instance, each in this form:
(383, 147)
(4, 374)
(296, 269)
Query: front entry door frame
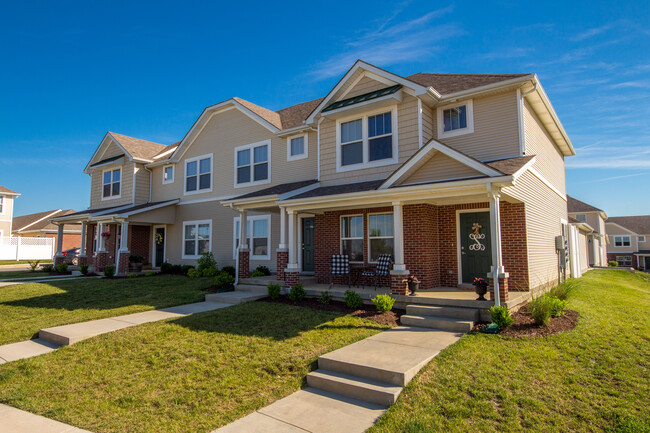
(459, 242)
(153, 245)
(299, 236)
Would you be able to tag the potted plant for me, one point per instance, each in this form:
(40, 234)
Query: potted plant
(413, 283)
(480, 287)
(135, 263)
(106, 234)
(147, 266)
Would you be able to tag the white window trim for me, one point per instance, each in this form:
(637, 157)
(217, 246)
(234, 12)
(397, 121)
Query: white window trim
(165, 182)
(365, 143)
(252, 163)
(470, 119)
(112, 197)
(622, 237)
(303, 155)
(641, 238)
(3, 202)
(197, 159)
(196, 247)
(624, 257)
(341, 238)
(249, 223)
(379, 237)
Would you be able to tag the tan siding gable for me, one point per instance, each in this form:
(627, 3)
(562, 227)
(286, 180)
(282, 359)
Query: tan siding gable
(126, 187)
(427, 124)
(440, 167)
(141, 184)
(111, 150)
(365, 85)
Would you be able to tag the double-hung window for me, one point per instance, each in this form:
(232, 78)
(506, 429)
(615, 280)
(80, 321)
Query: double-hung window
(197, 238)
(641, 239)
(260, 241)
(168, 174)
(456, 119)
(352, 237)
(380, 235)
(111, 183)
(368, 141)
(297, 147)
(624, 260)
(2, 204)
(622, 241)
(581, 217)
(198, 174)
(252, 164)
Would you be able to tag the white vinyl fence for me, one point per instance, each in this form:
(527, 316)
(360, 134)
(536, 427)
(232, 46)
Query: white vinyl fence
(15, 248)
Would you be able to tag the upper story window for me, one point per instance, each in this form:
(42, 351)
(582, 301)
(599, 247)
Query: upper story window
(641, 238)
(456, 119)
(622, 241)
(198, 174)
(2, 204)
(111, 180)
(352, 237)
(252, 164)
(297, 147)
(168, 174)
(368, 141)
(581, 217)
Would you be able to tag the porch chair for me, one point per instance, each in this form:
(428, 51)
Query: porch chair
(340, 265)
(382, 269)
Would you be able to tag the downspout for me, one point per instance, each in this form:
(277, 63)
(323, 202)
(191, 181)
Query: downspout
(318, 149)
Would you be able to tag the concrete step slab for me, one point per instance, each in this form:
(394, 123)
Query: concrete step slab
(26, 349)
(256, 423)
(197, 307)
(18, 421)
(383, 394)
(70, 334)
(426, 338)
(391, 363)
(234, 297)
(252, 288)
(469, 314)
(435, 322)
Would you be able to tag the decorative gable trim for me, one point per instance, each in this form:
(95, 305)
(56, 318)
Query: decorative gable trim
(108, 138)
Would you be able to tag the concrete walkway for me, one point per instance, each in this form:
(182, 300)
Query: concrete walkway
(18, 421)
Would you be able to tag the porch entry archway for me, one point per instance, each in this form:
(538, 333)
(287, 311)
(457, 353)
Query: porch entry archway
(475, 245)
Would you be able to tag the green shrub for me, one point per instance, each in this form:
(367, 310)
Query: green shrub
(136, 258)
(383, 303)
(150, 274)
(83, 269)
(33, 264)
(224, 280)
(209, 272)
(186, 269)
(230, 270)
(264, 270)
(501, 316)
(297, 293)
(47, 268)
(132, 275)
(352, 299)
(256, 274)
(206, 261)
(613, 263)
(562, 291)
(61, 268)
(540, 309)
(274, 290)
(177, 269)
(193, 273)
(557, 306)
(325, 297)
(166, 268)
(109, 270)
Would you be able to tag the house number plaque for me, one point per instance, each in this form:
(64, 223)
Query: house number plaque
(477, 236)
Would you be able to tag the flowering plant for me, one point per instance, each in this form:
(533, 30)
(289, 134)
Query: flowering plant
(411, 279)
(480, 281)
(105, 234)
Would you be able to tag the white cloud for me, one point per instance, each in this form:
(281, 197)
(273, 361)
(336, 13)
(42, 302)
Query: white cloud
(607, 179)
(591, 32)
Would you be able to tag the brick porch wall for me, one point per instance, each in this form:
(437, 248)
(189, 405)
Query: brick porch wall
(282, 258)
(69, 240)
(140, 241)
(421, 244)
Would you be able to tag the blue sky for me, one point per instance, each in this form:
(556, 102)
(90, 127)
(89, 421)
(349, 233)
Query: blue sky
(73, 70)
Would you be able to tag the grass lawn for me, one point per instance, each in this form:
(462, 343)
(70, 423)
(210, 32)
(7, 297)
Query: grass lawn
(5, 275)
(23, 262)
(593, 378)
(192, 374)
(26, 308)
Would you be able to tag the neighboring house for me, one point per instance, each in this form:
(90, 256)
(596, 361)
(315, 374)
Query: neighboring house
(629, 238)
(456, 176)
(37, 225)
(7, 197)
(579, 246)
(595, 219)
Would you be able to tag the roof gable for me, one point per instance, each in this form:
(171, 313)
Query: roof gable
(639, 224)
(436, 167)
(451, 83)
(576, 206)
(115, 145)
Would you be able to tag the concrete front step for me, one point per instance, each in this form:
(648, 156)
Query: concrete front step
(372, 391)
(469, 314)
(251, 288)
(235, 297)
(436, 322)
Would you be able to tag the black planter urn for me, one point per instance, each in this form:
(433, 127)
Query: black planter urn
(413, 287)
(480, 289)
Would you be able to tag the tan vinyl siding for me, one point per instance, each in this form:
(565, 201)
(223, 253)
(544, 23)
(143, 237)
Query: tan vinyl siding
(111, 150)
(615, 230)
(141, 184)
(549, 161)
(544, 212)
(126, 187)
(427, 124)
(440, 167)
(407, 117)
(583, 250)
(496, 129)
(349, 82)
(7, 214)
(365, 85)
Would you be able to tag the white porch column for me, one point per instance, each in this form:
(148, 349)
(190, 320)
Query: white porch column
(84, 232)
(495, 229)
(59, 241)
(398, 236)
(124, 237)
(101, 240)
(594, 247)
(293, 256)
(243, 239)
(283, 229)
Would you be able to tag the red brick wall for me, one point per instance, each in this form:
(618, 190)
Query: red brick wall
(90, 239)
(140, 241)
(514, 245)
(421, 244)
(69, 240)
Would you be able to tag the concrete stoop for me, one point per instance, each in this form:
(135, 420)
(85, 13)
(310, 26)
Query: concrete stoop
(445, 318)
(236, 297)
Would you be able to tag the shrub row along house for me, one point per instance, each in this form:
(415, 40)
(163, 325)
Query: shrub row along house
(456, 176)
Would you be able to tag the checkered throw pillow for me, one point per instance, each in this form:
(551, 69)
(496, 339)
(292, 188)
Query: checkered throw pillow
(340, 264)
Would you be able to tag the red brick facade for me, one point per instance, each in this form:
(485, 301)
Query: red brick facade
(244, 266)
(503, 289)
(70, 240)
(291, 278)
(282, 260)
(140, 241)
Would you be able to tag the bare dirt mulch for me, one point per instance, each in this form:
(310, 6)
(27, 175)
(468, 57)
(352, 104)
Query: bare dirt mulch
(525, 326)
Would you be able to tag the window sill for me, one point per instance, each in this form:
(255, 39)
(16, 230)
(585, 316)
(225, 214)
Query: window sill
(259, 182)
(200, 191)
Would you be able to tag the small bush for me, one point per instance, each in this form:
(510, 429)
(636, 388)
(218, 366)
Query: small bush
(501, 316)
(230, 270)
(256, 274)
(209, 272)
(193, 273)
(264, 270)
(61, 268)
(186, 269)
(47, 268)
(383, 303)
(206, 261)
(166, 268)
(352, 299)
(83, 269)
(33, 264)
(562, 291)
(613, 263)
(109, 270)
(274, 290)
(540, 310)
(557, 306)
(150, 274)
(177, 269)
(325, 297)
(224, 280)
(132, 275)
(297, 293)
(136, 258)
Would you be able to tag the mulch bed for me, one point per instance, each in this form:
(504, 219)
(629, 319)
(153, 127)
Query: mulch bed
(524, 325)
(369, 312)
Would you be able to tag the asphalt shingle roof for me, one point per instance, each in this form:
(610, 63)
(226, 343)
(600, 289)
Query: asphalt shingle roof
(452, 83)
(574, 205)
(278, 189)
(7, 190)
(639, 224)
(137, 148)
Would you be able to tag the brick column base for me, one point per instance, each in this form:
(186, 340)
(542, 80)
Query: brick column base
(83, 260)
(291, 278)
(124, 262)
(503, 289)
(58, 259)
(282, 260)
(244, 266)
(101, 260)
(396, 285)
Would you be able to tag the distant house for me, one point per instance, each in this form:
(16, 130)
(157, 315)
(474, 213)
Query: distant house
(629, 238)
(591, 218)
(7, 197)
(38, 225)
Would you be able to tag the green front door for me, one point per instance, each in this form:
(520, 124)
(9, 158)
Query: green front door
(308, 245)
(475, 245)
